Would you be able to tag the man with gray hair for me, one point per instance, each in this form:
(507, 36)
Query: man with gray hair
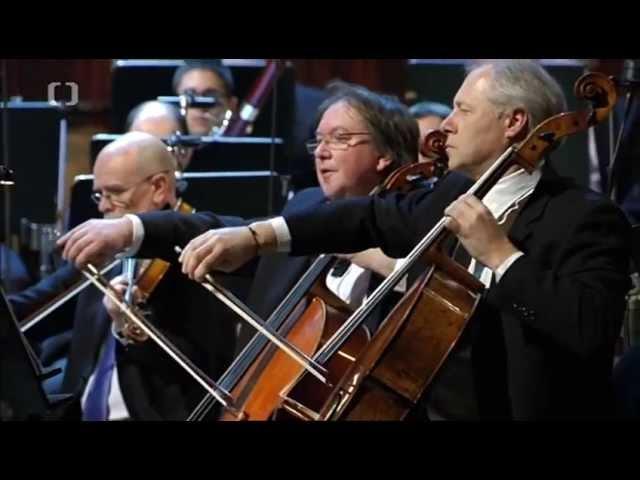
(541, 342)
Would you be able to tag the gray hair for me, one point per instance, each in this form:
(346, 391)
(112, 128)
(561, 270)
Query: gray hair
(523, 84)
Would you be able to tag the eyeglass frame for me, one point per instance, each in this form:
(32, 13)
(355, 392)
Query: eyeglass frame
(313, 144)
(97, 197)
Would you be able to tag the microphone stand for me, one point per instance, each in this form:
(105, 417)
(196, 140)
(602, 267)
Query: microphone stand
(187, 100)
(630, 81)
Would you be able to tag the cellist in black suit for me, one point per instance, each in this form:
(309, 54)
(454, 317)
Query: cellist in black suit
(541, 343)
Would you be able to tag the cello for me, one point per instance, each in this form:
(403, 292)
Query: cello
(258, 376)
(401, 361)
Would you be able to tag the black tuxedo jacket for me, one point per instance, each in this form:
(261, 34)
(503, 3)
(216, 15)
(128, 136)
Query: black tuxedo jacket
(542, 339)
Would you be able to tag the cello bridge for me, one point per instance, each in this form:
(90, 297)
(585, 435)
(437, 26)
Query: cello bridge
(298, 410)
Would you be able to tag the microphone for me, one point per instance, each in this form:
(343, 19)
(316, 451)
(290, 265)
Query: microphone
(630, 76)
(631, 70)
(179, 140)
(188, 100)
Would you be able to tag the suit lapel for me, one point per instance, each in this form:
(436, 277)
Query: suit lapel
(535, 206)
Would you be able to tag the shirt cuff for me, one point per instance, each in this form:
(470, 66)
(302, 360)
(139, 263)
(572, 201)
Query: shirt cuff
(283, 236)
(502, 269)
(138, 237)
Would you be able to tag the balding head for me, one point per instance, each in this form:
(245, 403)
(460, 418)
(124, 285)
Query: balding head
(157, 118)
(138, 172)
(144, 152)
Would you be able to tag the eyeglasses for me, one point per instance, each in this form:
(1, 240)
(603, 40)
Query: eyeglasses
(116, 198)
(339, 141)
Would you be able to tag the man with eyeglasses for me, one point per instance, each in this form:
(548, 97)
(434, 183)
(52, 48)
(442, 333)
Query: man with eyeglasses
(206, 78)
(361, 138)
(540, 344)
(136, 381)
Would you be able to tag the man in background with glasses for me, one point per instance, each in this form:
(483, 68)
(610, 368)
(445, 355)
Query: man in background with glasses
(206, 78)
(138, 381)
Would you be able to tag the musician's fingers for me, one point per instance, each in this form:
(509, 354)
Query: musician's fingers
(476, 207)
(120, 289)
(200, 251)
(119, 280)
(190, 262)
(90, 254)
(77, 235)
(207, 264)
(194, 244)
(64, 238)
(75, 249)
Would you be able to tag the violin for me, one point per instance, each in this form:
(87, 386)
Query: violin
(148, 330)
(151, 275)
(148, 280)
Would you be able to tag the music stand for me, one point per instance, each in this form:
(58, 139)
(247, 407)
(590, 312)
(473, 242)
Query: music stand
(238, 154)
(21, 394)
(37, 150)
(222, 154)
(253, 194)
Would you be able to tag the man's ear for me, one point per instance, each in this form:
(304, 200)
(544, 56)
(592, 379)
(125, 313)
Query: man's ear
(160, 186)
(383, 163)
(516, 124)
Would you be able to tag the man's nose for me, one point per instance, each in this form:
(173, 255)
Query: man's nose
(447, 125)
(105, 206)
(322, 150)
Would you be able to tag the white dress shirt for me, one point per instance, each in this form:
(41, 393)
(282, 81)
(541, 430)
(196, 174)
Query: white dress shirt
(510, 191)
(507, 192)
